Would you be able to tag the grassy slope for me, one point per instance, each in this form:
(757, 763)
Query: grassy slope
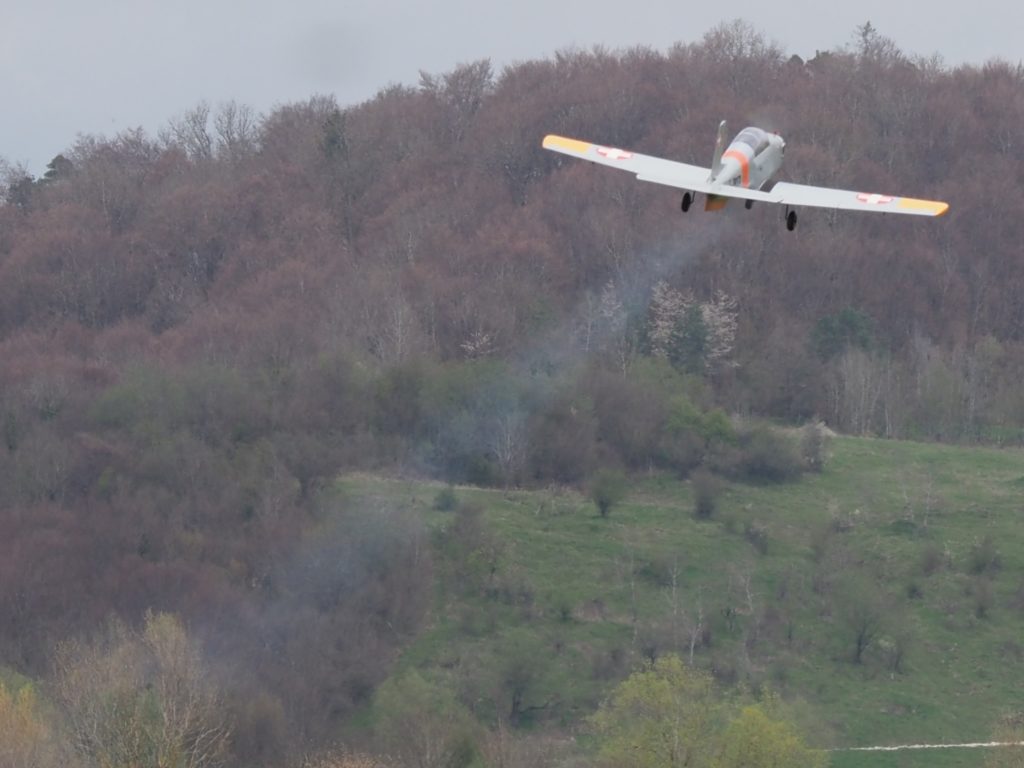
(893, 501)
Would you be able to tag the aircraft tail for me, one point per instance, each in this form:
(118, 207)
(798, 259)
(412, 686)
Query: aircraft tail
(716, 162)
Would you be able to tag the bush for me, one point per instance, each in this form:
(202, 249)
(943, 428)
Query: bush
(563, 440)
(607, 489)
(446, 500)
(757, 535)
(562, 607)
(984, 557)
(932, 559)
(768, 456)
(814, 446)
(660, 571)
(706, 490)
(984, 597)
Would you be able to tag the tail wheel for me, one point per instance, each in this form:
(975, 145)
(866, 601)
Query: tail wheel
(687, 202)
(791, 221)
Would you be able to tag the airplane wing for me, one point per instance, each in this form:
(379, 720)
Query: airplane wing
(696, 179)
(824, 197)
(641, 165)
(645, 167)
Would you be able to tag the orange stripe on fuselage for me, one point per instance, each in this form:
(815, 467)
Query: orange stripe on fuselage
(744, 162)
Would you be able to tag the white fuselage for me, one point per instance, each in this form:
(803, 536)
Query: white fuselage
(753, 157)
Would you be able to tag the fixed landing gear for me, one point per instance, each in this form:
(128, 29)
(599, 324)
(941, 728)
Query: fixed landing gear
(748, 204)
(687, 202)
(790, 220)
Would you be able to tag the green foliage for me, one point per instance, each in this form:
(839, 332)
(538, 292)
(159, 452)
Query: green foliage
(706, 490)
(563, 439)
(767, 455)
(138, 698)
(660, 415)
(211, 402)
(712, 427)
(670, 715)
(754, 739)
(398, 401)
(474, 422)
(664, 716)
(521, 669)
(667, 577)
(864, 615)
(607, 488)
(446, 500)
(473, 550)
(58, 168)
(848, 328)
(28, 738)
(421, 723)
(689, 347)
(716, 428)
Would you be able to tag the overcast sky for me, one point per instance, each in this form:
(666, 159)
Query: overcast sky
(71, 66)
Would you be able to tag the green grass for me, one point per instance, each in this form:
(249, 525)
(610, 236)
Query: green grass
(594, 593)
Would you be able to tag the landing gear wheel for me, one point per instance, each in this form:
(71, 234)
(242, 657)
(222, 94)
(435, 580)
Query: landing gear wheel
(791, 221)
(687, 202)
(748, 204)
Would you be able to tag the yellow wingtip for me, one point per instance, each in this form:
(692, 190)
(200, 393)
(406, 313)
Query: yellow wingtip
(930, 207)
(551, 141)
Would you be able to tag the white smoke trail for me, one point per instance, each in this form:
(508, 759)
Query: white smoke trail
(972, 745)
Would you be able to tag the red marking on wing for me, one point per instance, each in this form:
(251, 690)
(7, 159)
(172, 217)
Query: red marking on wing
(612, 153)
(874, 199)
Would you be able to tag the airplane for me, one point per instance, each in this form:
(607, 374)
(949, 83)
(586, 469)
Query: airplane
(744, 170)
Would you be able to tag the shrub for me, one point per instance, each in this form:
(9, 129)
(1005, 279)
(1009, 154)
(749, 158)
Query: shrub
(768, 456)
(984, 557)
(932, 559)
(446, 500)
(706, 490)
(563, 608)
(607, 489)
(757, 535)
(814, 446)
(563, 440)
(659, 570)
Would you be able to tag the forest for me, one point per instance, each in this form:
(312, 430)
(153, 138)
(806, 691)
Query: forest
(200, 331)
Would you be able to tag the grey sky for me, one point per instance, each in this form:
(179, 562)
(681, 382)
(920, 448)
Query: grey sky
(69, 67)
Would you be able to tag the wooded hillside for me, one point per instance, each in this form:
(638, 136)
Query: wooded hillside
(199, 329)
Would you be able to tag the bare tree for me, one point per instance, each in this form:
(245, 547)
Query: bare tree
(191, 132)
(141, 698)
(235, 126)
(668, 307)
(509, 442)
(863, 615)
